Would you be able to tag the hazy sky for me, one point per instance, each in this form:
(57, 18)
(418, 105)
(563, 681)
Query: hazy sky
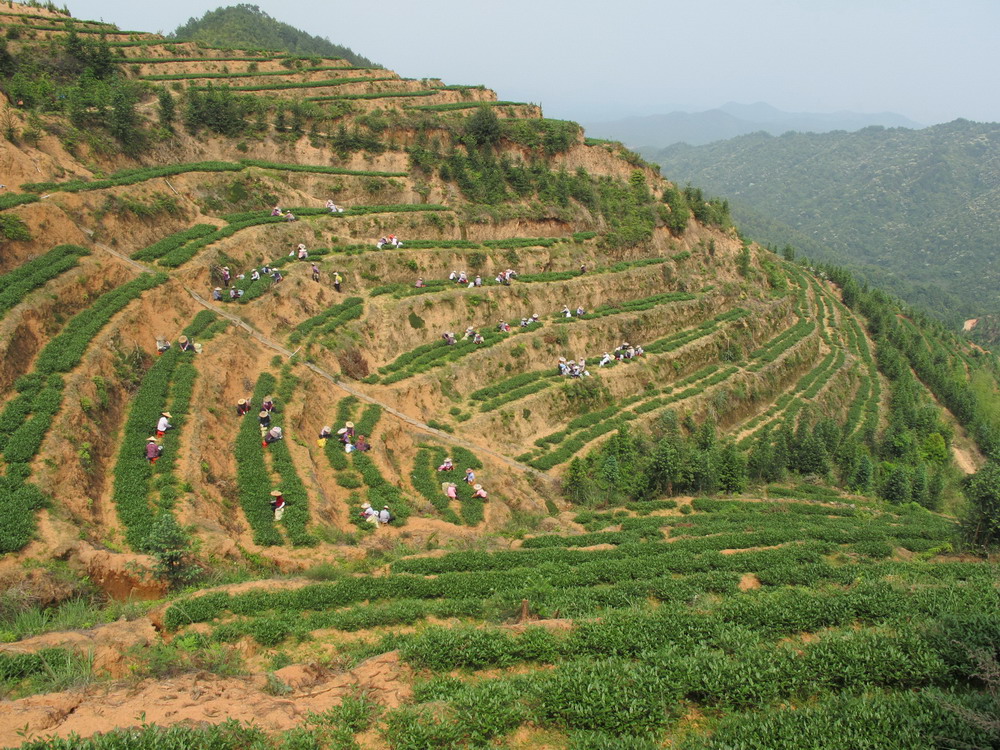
(930, 60)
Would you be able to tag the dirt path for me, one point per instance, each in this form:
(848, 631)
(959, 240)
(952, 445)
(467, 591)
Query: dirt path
(965, 460)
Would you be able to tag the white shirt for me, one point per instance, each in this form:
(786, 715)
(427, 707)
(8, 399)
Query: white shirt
(383, 516)
(163, 425)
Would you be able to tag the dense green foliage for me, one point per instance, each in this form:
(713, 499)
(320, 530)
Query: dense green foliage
(246, 26)
(858, 633)
(908, 209)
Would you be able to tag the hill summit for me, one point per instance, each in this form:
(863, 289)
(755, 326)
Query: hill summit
(246, 26)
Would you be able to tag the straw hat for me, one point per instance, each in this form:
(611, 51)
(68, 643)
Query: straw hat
(562, 359)
(452, 484)
(217, 289)
(241, 401)
(182, 339)
(385, 507)
(477, 486)
(275, 493)
(263, 414)
(267, 398)
(349, 424)
(342, 431)
(366, 505)
(326, 428)
(151, 440)
(166, 414)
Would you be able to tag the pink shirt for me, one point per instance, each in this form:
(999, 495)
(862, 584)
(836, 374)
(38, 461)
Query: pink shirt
(450, 492)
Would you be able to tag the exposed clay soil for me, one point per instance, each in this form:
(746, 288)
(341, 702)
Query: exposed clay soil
(203, 698)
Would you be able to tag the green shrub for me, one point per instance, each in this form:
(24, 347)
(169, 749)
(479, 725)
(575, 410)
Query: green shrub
(15, 284)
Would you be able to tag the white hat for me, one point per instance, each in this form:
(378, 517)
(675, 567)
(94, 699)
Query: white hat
(349, 424)
(366, 505)
(275, 493)
(151, 440)
(166, 414)
(477, 486)
(342, 431)
(326, 428)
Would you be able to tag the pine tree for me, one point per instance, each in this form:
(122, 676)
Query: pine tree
(664, 469)
(981, 524)
(920, 486)
(577, 485)
(896, 487)
(731, 468)
(863, 475)
(167, 109)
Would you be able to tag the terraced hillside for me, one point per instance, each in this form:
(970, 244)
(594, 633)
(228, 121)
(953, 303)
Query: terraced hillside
(166, 191)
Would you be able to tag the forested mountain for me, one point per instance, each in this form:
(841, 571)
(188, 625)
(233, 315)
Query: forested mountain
(246, 26)
(916, 209)
(732, 120)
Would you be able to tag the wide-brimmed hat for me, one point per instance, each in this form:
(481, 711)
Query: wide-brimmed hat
(326, 428)
(275, 493)
(562, 359)
(349, 424)
(268, 398)
(263, 414)
(166, 414)
(342, 431)
(182, 339)
(241, 401)
(477, 486)
(452, 484)
(385, 507)
(217, 289)
(366, 505)
(151, 440)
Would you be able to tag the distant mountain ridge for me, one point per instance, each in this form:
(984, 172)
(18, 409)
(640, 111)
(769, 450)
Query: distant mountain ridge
(246, 26)
(918, 210)
(732, 120)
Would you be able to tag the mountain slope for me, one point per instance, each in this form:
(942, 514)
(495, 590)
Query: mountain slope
(921, 206)
(246, 26)
(732, 120)
(572, 593)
